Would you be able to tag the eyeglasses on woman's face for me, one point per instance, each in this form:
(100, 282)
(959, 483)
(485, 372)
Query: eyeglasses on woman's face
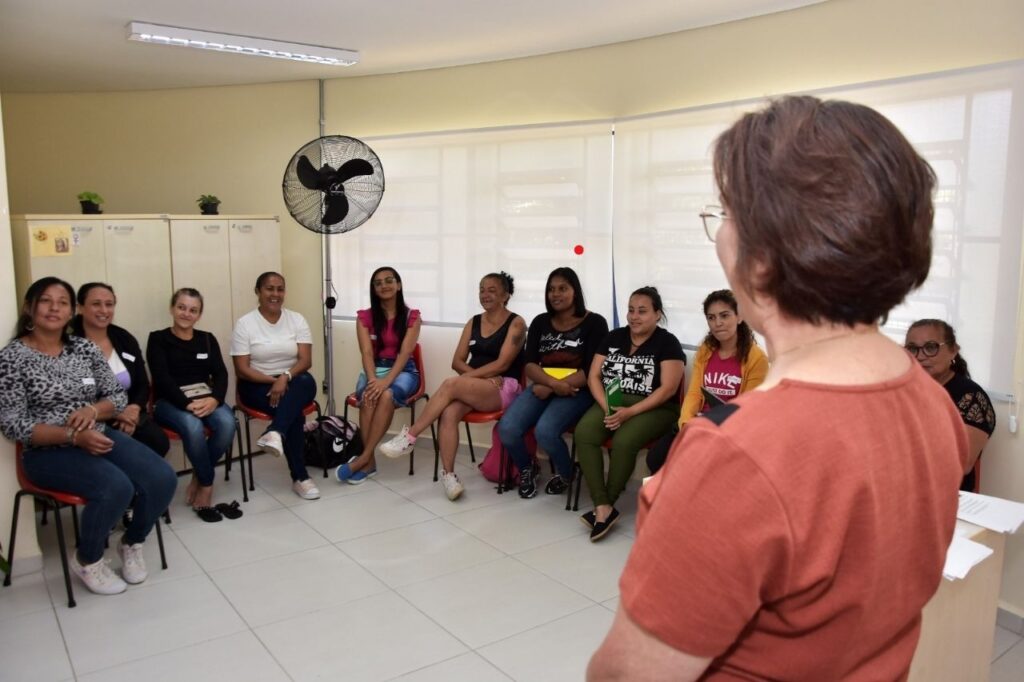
(712, 216)
(929, 348)
(384, 280)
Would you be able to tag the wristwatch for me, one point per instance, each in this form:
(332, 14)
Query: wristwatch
(288, 373)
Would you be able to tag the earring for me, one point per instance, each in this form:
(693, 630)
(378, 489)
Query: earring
(30, 326)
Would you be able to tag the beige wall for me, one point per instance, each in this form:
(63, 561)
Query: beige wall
(157, 151)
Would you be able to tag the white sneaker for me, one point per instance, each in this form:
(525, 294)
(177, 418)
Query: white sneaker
(271, 442)
(452, 485)
(97, 577)
(133, 565)
(306, 489)
(399, 446)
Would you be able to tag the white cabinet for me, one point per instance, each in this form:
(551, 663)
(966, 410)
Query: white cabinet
(129, 252)
(222, 257)
(255, 249)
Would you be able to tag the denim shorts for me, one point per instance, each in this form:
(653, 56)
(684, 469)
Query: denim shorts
(404, 385)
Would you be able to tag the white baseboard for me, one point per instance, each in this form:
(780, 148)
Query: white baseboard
(1010, 621)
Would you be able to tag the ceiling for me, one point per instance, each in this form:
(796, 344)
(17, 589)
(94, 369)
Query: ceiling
(80, 45)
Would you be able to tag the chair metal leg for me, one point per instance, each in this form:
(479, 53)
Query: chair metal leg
(74, 520)
(14, 536)
(469, 437)
(579, 487)
(572, 475)
(412, 420)
(248, 452)
(160, 543)
(64, 554)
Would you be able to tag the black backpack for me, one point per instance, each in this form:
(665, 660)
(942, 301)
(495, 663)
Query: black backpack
(331, 441)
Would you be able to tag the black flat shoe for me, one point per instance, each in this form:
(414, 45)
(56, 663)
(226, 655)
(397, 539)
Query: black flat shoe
(231, 511)
(601, 528)
(210, 514)
(587, 519)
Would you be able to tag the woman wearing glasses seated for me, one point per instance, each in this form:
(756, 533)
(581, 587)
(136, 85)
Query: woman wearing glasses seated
(933, 343)
(387, 332)
(797, 531)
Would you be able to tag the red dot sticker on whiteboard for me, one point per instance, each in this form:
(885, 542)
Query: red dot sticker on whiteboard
(578, 249)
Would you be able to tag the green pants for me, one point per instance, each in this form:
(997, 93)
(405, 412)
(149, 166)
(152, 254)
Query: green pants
(626, 443)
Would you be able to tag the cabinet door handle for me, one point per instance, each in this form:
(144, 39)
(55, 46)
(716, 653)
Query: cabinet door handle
(211, 229)
(82, 228)
(121, 229)
(244, 228)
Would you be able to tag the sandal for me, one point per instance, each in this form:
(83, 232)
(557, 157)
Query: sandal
(229, 510)
(208, 514)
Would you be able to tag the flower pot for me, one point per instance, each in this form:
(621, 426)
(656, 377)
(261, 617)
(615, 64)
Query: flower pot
(89, 208)
(208, 209)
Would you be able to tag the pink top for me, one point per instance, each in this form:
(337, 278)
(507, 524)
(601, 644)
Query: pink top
(722, 378)
(387, 349)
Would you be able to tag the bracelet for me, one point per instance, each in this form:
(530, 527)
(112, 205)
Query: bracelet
(74, 439)
(69, 434)
(95, 412)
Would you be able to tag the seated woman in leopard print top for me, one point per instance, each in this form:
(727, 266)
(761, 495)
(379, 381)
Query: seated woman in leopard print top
(55, 393)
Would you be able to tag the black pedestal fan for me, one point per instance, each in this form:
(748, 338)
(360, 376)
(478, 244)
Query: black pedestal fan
(332, 185)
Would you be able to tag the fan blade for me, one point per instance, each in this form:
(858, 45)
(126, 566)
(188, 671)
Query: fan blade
(337, 209)
(351, 169)
(308, 175)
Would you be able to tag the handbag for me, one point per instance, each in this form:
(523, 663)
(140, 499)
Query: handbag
(331, 441)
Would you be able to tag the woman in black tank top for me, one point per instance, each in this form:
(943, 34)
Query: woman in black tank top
(489, 361)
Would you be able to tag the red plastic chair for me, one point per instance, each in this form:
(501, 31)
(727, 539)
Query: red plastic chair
(419, 394)
(473, 417)
(251, 413)
(56, 500)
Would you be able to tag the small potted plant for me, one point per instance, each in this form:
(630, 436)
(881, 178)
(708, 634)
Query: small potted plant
(90, 202)
(208, 204)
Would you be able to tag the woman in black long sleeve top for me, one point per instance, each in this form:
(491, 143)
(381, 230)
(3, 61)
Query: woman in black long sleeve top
(190, 382)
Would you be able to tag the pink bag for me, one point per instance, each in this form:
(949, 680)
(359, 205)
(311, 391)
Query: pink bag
(491, 464)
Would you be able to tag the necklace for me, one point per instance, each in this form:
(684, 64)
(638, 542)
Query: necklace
(814, 343)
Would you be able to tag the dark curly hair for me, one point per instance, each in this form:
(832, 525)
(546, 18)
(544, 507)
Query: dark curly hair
(949, 336)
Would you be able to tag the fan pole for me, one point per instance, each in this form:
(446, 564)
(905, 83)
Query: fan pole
(328, 297)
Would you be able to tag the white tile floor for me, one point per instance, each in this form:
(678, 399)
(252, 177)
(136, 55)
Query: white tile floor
(387, 580)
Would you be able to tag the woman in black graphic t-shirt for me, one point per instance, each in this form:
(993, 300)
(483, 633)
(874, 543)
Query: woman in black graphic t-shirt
(489, 362)
(643, 363)
(559, 348)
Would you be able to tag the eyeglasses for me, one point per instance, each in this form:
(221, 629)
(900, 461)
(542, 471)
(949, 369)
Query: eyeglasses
(713, 217)
(382, 282)
(929, 348)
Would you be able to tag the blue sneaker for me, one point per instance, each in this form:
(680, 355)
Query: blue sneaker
(344, 473)
(360, 476)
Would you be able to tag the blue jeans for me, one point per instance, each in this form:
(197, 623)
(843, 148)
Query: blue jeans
(404, 385)
(550, 418)
(204, 454)
(287, 416)
(108, 483)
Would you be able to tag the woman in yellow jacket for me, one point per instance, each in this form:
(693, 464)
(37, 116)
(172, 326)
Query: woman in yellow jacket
(728, 362)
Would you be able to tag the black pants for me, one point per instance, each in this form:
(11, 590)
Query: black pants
(657, 455)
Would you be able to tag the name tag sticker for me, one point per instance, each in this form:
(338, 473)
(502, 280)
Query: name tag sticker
(89, 381)
(472, 342)
(201, 356)
(128, 356)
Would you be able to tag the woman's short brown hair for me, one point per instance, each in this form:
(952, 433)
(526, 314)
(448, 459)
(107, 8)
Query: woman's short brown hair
(832, 209)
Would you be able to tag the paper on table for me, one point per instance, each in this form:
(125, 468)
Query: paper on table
(962, 556)
(994, 513)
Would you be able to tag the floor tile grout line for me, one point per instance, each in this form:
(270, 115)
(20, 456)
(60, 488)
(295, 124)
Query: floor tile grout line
(1008, 649)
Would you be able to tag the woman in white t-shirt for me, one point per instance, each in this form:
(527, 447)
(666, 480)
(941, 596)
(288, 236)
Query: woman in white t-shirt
(272, 351)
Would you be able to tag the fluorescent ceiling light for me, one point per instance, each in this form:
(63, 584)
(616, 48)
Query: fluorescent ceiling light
(226, 42)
